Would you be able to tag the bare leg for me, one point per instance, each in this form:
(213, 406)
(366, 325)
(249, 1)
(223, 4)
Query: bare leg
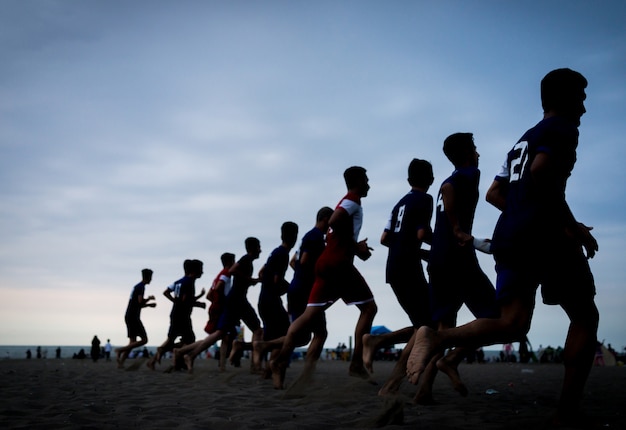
(372, 343)
(190, 352)
(236, 352)
(122, 353)
(449, 364)
(261, 347)
(224, 345)
(425, 346)
(392, 385)
(424, 394)
(363, 326)
(299, 326)
(578, 357)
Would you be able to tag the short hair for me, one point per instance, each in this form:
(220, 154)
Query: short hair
(227, 258)
(457, 146)
(354, 176)
(289, 227)
(420, 173)
(146, 273)
(197, 266)
(560, 88)
(289, 231)
(324, 212)
(193, 266)
(251, 242)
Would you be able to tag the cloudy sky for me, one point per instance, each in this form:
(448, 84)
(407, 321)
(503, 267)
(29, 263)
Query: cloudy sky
(139, 134)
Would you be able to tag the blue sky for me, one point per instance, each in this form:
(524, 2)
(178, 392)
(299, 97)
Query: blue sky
(139, 134)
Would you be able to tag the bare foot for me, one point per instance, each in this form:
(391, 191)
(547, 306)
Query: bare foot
(370, 346)
(450, 368)
(235, 353)
(359, 371)
(390, 388)
(188, 363)
(157, 357)
(423, 397)
(257, 354)
(150, 364)
(175, 356)
(424, 348)
(278, 374)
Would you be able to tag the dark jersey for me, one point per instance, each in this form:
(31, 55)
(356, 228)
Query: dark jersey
(276, 267)
(133, 311)
(184, 296)
(536, 214)
(412, 213)
(313, 244)
(241, 280)
(445, 246)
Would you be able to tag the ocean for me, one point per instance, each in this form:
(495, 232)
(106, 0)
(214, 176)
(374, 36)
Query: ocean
(67, 351)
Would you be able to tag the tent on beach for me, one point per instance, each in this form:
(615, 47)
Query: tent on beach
(379, 329)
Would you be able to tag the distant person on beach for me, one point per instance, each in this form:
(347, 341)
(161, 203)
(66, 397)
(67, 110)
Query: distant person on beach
(536, 225)
(303, 264)
(222, 284)
(95, 349)
(134, 326)
(407, 229)
(58, 352)
(29, 354)
(456, 278)
(107, 350)
(274, 285)
(182, 294)
(336, 277)
(238, 308)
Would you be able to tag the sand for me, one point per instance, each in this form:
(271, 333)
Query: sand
(66, 393)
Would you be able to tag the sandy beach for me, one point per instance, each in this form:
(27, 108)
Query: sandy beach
(66, 393)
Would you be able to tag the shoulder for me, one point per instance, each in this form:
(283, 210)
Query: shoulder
(351, 203)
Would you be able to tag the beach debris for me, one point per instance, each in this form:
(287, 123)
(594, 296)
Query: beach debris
(492, 391)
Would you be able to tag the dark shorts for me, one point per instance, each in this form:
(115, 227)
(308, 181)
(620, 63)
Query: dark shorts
(451, 287)
(413, 296)
(562, 270)
(181, 326)
(333, 282)
(235, 312)
(135, 328)
(275, 319)
(296, 302)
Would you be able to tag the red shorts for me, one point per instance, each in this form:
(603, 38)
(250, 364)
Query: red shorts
(341, 281)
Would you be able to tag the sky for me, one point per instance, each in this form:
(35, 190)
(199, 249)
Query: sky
(139, 134)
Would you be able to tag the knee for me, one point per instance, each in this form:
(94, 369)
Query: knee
(517, 326)
(371, 309)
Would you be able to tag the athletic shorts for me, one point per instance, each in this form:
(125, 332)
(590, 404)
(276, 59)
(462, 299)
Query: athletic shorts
(333, 282)
(562, 270)
(275, 319)
(181, 326)
(454, 286)
(413, 296)
(135, 328)
(235, 312)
